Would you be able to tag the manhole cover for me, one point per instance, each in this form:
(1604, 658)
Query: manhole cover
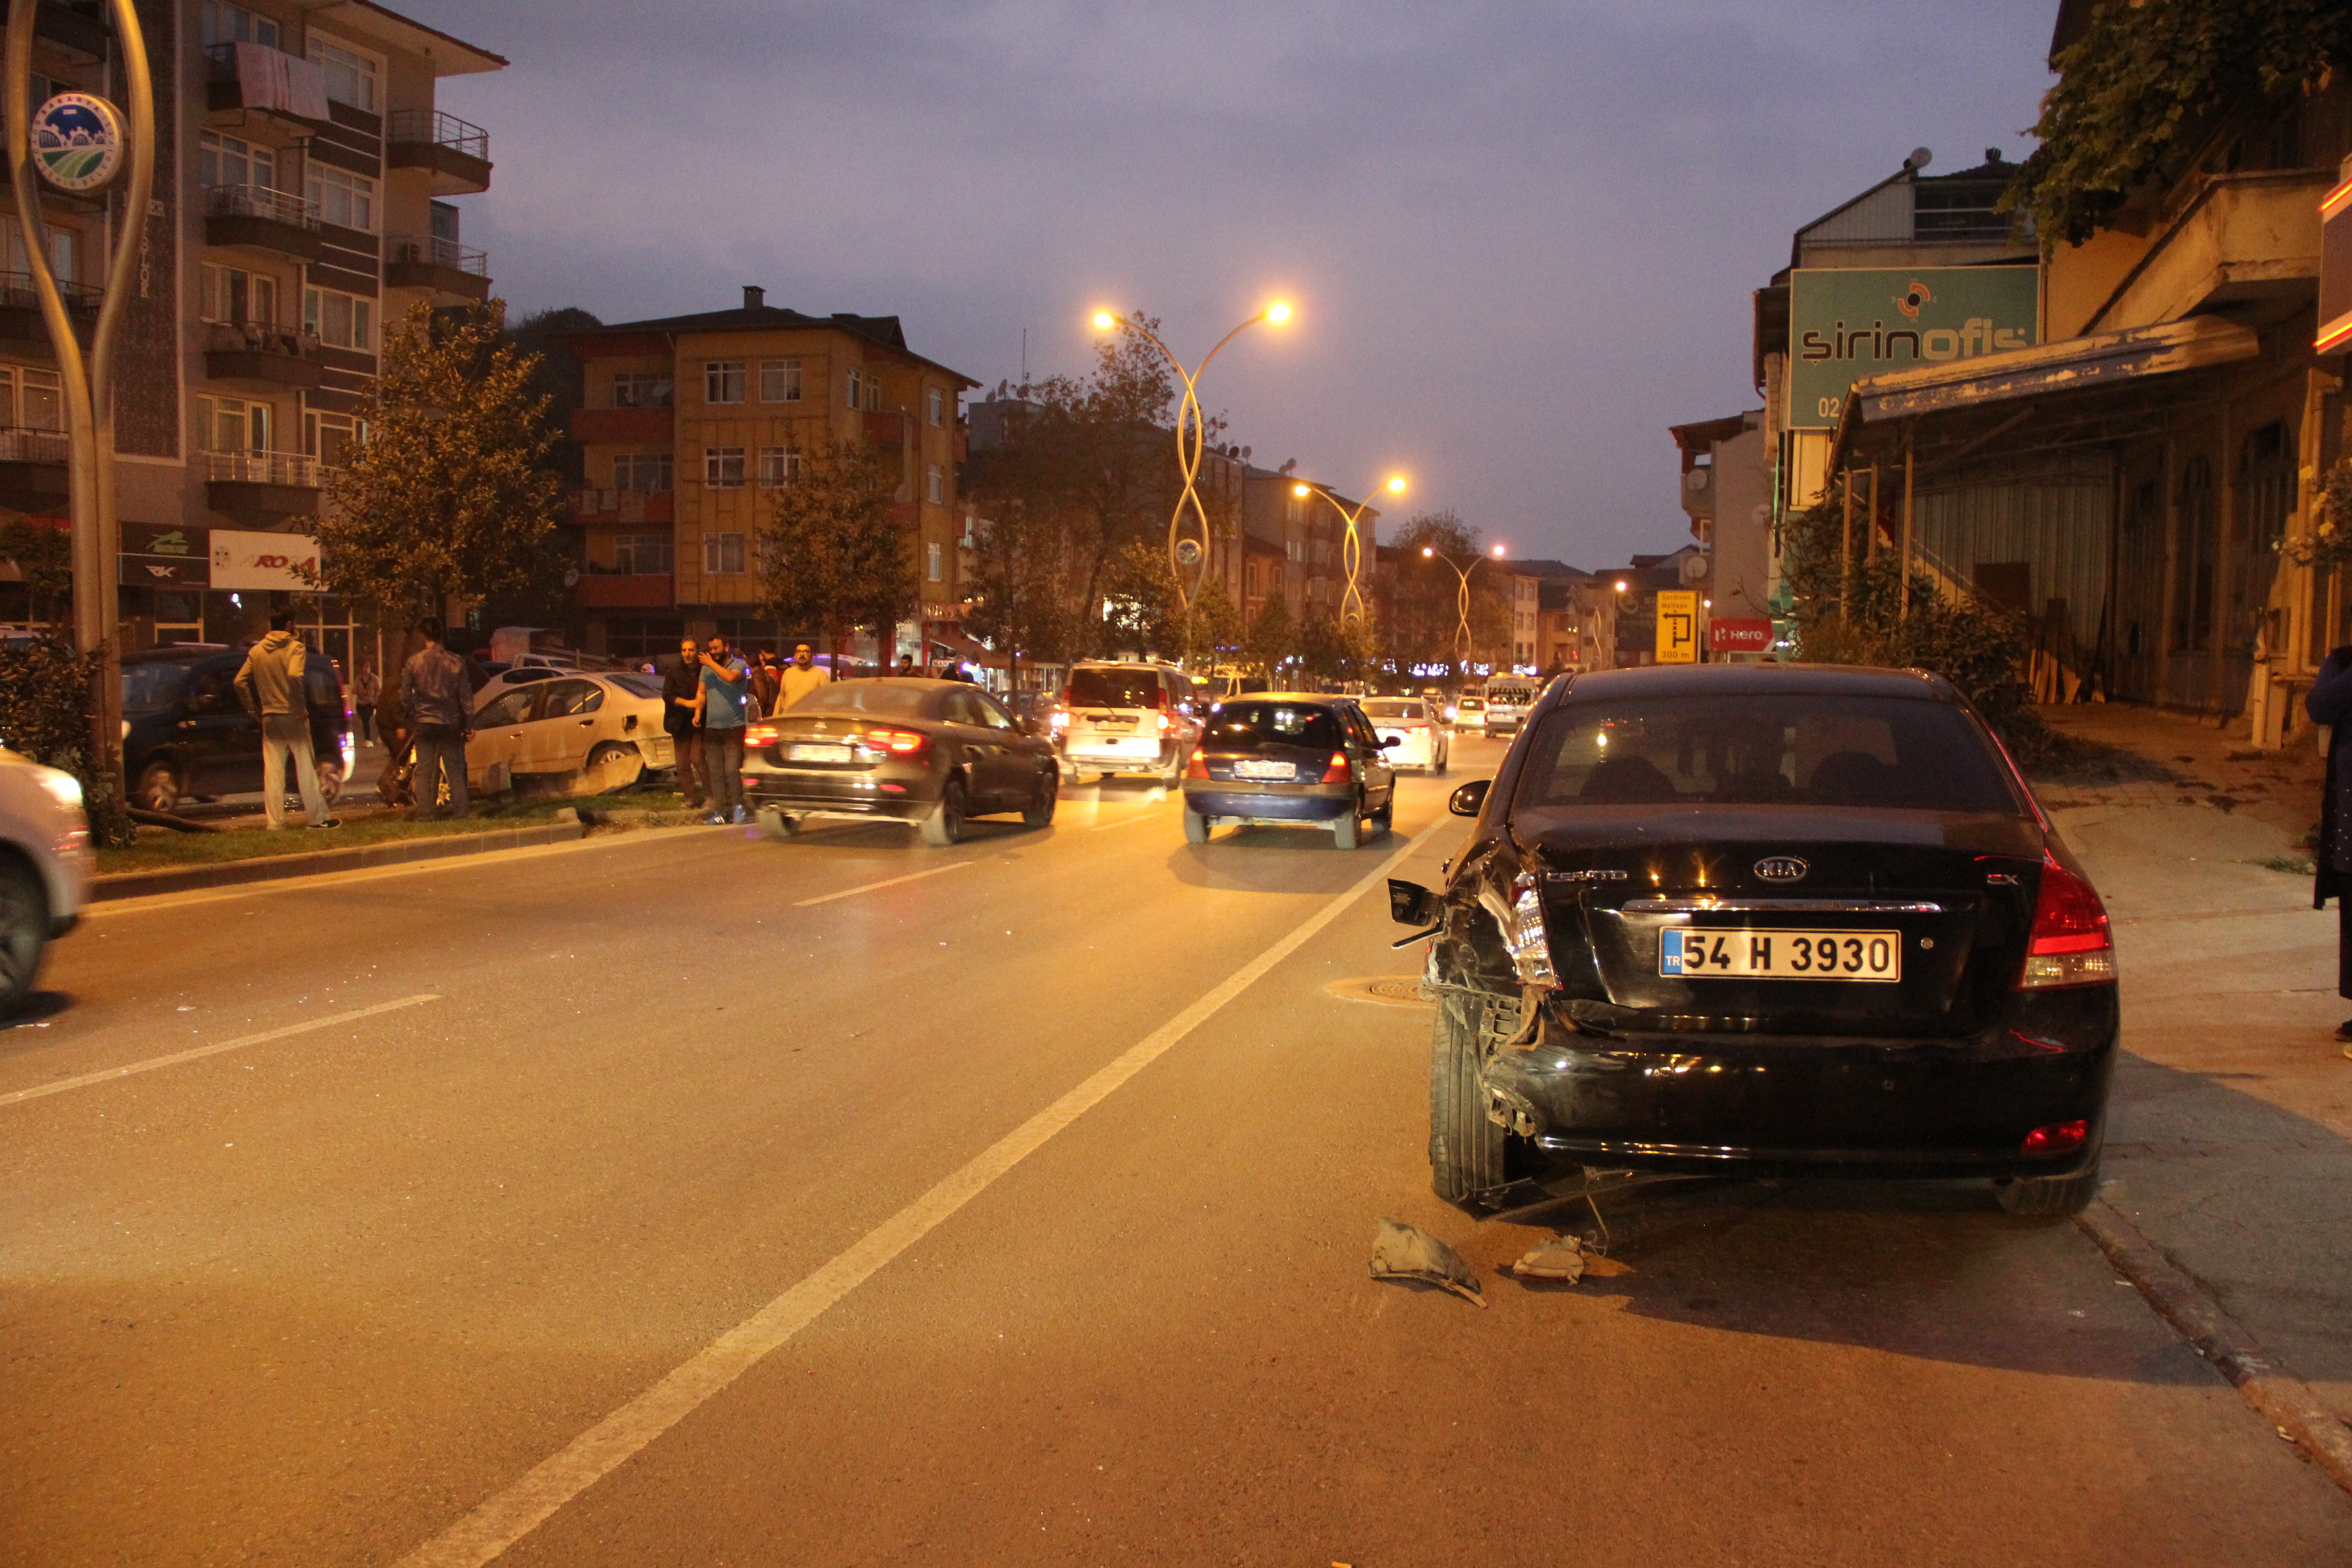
(1395, 990)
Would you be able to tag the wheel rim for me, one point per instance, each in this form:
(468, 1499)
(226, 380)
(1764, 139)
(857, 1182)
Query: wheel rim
(158, 791)
(951, 811)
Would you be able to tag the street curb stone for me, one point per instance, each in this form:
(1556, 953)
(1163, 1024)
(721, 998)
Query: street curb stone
(181, 879)
(2282, 1400)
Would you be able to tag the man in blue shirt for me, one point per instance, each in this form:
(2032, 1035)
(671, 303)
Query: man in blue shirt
(725, 686)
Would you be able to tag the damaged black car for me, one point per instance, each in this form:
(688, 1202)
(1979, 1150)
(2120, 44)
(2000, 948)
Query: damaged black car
(1765, 921)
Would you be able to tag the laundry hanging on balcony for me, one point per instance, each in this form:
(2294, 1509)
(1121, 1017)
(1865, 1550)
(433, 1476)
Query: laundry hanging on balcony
(272, 78)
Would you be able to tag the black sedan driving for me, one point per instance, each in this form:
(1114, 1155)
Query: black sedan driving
(1765, 920)
(933, 752)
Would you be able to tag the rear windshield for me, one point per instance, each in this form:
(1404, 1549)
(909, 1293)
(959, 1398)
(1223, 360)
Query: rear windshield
(152, 688)
(1473, 702)
(636, 685)
(1786, 749)
(1114, 688)
(1245, 726)
(881, 697)
(1393, 708)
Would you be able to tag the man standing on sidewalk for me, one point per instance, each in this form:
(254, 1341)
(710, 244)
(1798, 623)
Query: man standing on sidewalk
(2329, 702)
(270, 685)
(800, 677)
(437, 696)
(681, 698)
(765, 675)
(726, 689)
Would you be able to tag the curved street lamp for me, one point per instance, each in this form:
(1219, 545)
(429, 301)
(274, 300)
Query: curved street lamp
(1351, 601)
(1192, 438)
(1462, 635)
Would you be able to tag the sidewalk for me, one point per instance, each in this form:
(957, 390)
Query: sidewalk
(2230, 1146)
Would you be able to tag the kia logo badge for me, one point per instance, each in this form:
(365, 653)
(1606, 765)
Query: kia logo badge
(1781, 869)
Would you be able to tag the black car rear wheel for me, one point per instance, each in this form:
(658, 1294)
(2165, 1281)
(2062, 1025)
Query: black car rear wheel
(1039, 812)
(1468, 1153)
(2050, 1195)
(775, 824)
(945, 824)
(159, 788)
(1196, 827)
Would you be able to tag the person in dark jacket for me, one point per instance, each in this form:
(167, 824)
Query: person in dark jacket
(2329, 702)
(681, 691)
(436, 698)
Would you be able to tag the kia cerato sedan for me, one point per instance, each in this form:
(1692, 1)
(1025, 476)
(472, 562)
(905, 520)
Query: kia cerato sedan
(1765, 920)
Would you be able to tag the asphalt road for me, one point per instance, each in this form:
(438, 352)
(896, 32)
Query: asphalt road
(844, 1201)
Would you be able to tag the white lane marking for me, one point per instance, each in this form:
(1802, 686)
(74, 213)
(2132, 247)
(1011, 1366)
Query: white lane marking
(885, 882)
(509, 1516)
(177, 1057)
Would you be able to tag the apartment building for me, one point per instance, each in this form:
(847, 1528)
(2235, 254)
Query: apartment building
(1311, 573)
(303, 200)
(692, 424)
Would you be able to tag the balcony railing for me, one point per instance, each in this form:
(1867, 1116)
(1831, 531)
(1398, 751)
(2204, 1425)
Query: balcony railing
(18, 292)
(260, 201)
(431, 128)
(289, 468)
(253, 337)
(432, 250)
(21, 444)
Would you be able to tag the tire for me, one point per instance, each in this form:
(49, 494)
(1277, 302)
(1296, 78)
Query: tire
(1039, 812)
(330, 782)
(1385, 817)
(1348, 832)
(945, 824)
(1444, 755)
(24, 934)
(1468, 1154)
(1196, 827)
(159, 789)
(2050, 1195)
(613, 766)
(774, 825)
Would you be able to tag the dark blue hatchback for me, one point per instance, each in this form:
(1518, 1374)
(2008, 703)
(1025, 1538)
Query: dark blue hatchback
(1291, 759)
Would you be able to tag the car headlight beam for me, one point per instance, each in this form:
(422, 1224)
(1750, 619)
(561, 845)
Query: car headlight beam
(63, 787)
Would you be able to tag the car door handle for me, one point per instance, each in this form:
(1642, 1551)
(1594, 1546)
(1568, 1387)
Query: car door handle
(584, 723)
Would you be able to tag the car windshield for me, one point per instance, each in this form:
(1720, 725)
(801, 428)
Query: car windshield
(152, 688)
(638, 684)
(1245, 726)
(1788, 748)
(1393, 708)
(1114, 688)
(886, 697)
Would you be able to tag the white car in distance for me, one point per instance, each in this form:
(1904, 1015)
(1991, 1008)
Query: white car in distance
(1422, 738)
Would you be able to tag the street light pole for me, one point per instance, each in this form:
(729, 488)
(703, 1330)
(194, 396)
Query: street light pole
(1191, 439)
(87, 383)
(1351, 551)
(1461, 633)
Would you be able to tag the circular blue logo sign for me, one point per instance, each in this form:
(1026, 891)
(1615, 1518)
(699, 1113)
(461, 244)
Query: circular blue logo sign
(78, 141)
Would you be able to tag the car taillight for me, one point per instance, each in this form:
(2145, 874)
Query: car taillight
(762, 735)
(1198, 768)
(898, 742)
(1529, 941)
(1058, 719)
(2070, 945)
(2056, 1138)
(1164, 725)
(1338, 772)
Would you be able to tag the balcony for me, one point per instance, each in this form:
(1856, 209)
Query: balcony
(255, 358)
(84, 34)
(887, 428)
(21, 326)
(623, 424)
(262, 488)
(33, 469)
(602, 589)
(443, 265)
(254, 217)
(253, 78)
(2248, 240)
(594, 505)
(456, 152)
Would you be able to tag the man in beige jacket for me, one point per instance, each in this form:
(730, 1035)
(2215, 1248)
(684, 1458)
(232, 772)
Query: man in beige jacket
(270, 685)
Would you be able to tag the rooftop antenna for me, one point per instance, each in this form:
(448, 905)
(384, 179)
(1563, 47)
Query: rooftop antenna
(1024, 356)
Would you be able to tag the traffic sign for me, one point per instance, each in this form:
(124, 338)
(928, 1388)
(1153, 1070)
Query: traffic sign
(1677, 628)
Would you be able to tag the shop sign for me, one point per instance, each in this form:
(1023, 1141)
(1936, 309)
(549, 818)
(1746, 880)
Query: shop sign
(163, 571)
(2334, 270)
(245, 561)
(165, 539)
(1848, 322)
(1677, 626)
(1737, 634)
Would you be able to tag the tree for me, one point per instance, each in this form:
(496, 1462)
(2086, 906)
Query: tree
(1424, 617)
(1272, 637)
(1217, 629)
(830, 556)
(1017, 600)
(2147, 85)
(451, 495)
(44, 556)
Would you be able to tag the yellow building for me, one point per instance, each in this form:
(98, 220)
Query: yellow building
(691, 423)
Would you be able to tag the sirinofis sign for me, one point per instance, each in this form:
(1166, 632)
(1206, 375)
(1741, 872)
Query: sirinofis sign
(1846, 324)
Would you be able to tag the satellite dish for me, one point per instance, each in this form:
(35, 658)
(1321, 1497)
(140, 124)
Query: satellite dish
(1921, 158)
(1694, 568)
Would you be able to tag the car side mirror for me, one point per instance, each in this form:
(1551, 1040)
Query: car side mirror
(1411, 904)
(1388, 740)
(1471, 798)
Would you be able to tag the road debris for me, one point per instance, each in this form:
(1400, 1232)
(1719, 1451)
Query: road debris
(1560, 1257)
(1405, 1252)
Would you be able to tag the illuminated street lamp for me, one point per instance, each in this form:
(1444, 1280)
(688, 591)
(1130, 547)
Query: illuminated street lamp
(1351, 551)
(1192, 438)
(1461, 633)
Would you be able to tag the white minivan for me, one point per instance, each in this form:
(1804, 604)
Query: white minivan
(1508, 698)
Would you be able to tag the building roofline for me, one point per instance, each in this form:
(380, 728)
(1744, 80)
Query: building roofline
(771, 319)
(485, 59)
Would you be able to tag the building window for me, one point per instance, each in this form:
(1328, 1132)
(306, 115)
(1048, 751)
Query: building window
(780, 381)
(935, 565)
(30, 399)
(232, 294)
(723, 553)
(934, 403)
(344, 199)
(340, 320)
(64, 246)
(329, 438)
(643, 472)
(722, 468)
(234, 161)
(351, 77)
(779, 465)
(936, 479)
(232, 425)
(873, 392)
(641, 389)
(722, 381)
(228, 24)
(858, 389)
(642, 554)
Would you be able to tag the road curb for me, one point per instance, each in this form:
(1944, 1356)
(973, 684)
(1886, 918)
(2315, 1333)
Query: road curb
(2284, 1402)
(320, 863)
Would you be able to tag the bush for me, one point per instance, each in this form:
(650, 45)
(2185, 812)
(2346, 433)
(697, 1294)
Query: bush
(45, 715)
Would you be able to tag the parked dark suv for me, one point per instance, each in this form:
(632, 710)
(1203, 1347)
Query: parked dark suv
(188, 736)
